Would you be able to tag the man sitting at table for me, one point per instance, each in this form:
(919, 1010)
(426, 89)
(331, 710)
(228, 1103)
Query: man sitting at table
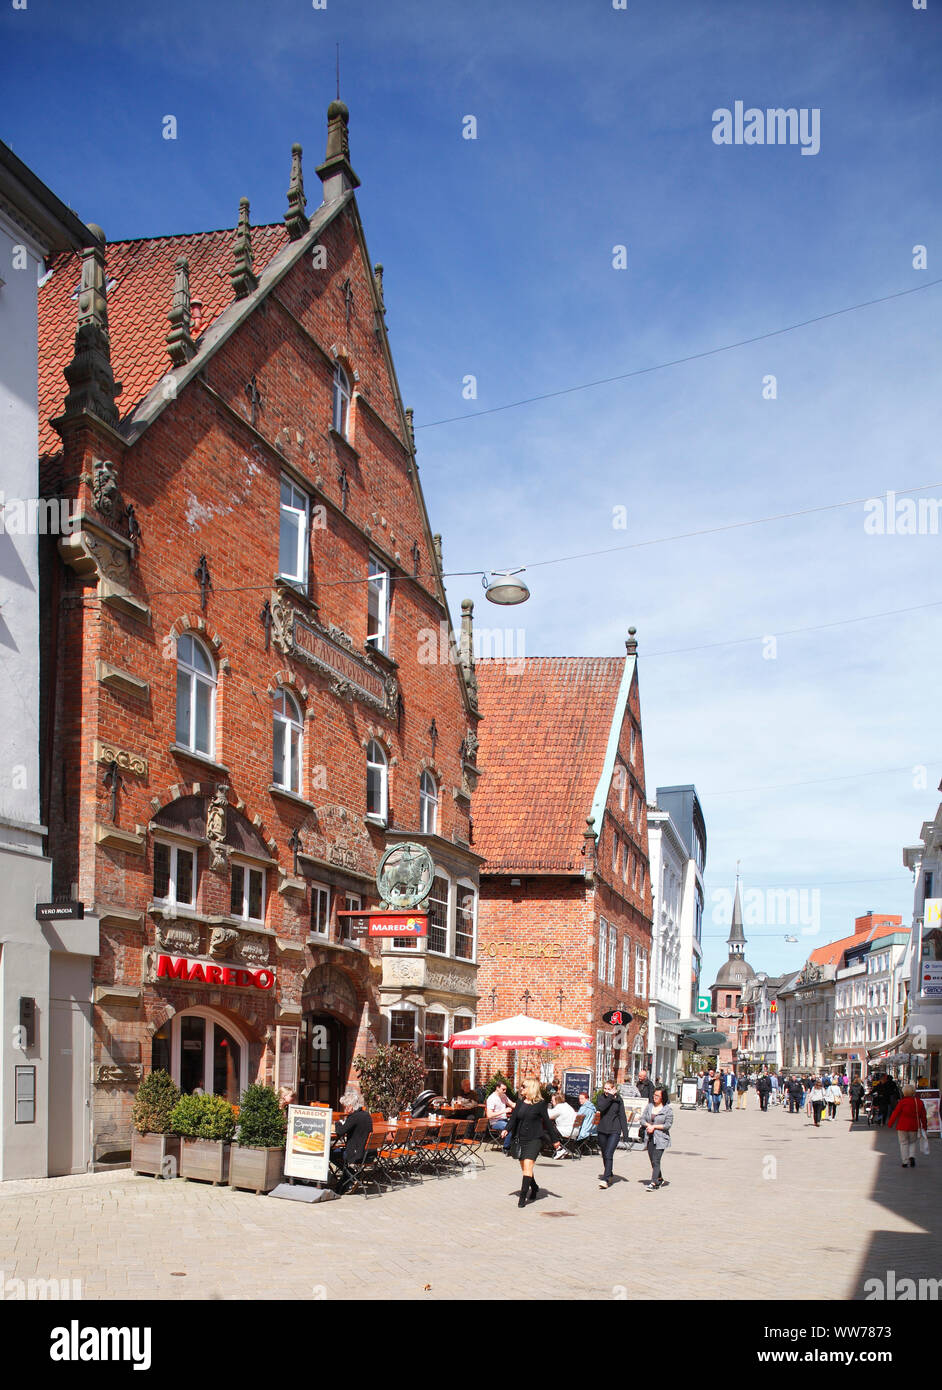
(498, 1108)
(585, 1114)
(466, 1096)
(349, 1142)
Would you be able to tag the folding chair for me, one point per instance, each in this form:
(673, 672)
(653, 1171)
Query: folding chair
(369, 1167)
(470, 1145)
(396, 1159)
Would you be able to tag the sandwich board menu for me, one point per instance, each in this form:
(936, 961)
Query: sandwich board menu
(930, 1100)
(307, 1143)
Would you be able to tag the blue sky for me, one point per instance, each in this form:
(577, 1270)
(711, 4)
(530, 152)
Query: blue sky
(594, 130)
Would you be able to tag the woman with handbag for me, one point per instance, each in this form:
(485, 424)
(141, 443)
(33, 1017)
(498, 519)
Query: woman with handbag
(909, 1121)
(613, 1125)
(833, 1095)
(527, 1124)
(656, 1121)
(816, 1102)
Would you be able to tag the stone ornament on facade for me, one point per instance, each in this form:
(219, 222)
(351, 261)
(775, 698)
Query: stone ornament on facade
(182, 938)
(127, 762)
(104, 484)
(405, 972)
(128, 1075)
(216, 830)
(221, 942)
(335, 835)
(405, 874)
(282, 632)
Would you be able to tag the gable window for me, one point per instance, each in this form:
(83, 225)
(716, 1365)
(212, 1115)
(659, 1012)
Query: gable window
(377, 618)
(428, 804)
(340, 410)
(603, 946)
(196, 697)
(438, 917)
(377, 781)
(174, 875)
(287, 742)
(632, 752)
(641, 972)
(612, 951)
(292, 538)
(614, 854)
(624, 863)
(622, 782)
(625, 962)
(247, 893)
(320, 909)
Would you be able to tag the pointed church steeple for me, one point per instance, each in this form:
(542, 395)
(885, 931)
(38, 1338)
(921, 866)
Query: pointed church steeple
(736, 941)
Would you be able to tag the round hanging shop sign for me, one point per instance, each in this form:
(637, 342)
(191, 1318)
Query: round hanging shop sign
(405, 874)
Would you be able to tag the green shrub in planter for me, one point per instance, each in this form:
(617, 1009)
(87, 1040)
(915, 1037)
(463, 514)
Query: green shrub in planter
(494, 1081)
(156, 1097)
(203, 1117)
(262, 1122)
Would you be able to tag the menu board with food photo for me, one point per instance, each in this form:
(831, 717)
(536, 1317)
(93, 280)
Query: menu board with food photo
(307, 1146)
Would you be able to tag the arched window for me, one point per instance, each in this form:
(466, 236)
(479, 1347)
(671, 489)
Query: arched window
(287, 742)
(428, 804)
(196, 697)
(341, 401)
(202, 1050)
(377, 781)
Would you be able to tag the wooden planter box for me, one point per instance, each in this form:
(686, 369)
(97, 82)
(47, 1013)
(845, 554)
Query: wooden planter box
(150, 1154)
(205, 1159)
(257, 1169)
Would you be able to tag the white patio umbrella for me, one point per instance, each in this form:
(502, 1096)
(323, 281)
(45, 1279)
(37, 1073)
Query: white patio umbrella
(518, 1032)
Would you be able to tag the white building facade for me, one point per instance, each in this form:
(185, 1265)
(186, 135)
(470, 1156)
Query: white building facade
(670, 877)
(921, 1035)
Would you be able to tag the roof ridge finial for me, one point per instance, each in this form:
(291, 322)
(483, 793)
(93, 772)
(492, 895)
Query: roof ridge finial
(336, 173)
(180, 344)
(92, 387)
(466, 650)
(243, 280)
(295, 218)
(631, 645)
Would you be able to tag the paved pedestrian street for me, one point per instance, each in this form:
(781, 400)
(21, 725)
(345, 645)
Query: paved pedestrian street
(816, 1212)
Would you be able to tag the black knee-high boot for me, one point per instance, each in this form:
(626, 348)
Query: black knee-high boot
(524, 1189)
(533, 1190)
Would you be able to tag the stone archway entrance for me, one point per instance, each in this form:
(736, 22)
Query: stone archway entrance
(330, 1021)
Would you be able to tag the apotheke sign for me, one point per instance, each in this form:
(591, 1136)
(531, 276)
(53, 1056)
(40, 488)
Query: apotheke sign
(204, 972)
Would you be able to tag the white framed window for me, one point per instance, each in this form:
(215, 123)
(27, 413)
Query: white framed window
(461, 1057)
(603, 946)
(377, 781)
(196, 697)
(352, 902)
(641, 973)
(600, 1074)
(614, 853)
(247, 893)
(287, 742)
(626, 854)
(612, 951)
(622, 784)
(174, 875)
(625, 963)
(428, 804)
(377, 617)
(633, 737)
(402, 1027)
(435, 1035)
(465, 916)
(438, 916)
(340, 401)
(320, 909)
(293, 533)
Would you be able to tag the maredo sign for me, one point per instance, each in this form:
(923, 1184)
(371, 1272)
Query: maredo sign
(203, 973)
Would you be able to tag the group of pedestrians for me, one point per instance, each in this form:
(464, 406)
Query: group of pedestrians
(530, 1121)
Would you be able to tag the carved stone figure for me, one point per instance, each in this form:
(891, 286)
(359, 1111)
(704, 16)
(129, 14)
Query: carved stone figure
(179, 937)
(253, 950)
(221, 941)
(216, 829)
(282, 632)
(105, 486)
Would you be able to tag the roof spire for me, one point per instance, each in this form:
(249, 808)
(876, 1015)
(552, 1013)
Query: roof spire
(243, 281)
(736, 940)
(295, 218)
(180, 344)
(335, 173)
(466, 650)
(631, 645)
(92, 387)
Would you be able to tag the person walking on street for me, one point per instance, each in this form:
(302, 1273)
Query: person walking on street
(613, 1125)
(794, 1092)
(832, 1095)
(816, 1102)
(706, 1089)
(656, 1120)
(742, 1092)
(729, 1088)
(856, 1089)
(645, 1088)
(908, 1118)
(764, 1090)
(527, 1124)
(716, 1091)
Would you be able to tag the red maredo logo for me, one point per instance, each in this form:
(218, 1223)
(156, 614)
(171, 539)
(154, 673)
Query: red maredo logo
(201, 972)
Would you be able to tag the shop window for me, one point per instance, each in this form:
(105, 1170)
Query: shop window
(377, 781)
(196, 697)
(320, 909)
(461, 1056)
(377, 619)
(435, 1052)
(464, 925)
(174, 875)
(287, 742)
(292, 539)
(340, 401)
(428, 804)
(247, 893)
(438, 916)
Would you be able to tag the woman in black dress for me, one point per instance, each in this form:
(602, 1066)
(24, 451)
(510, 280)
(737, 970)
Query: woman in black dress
(526, 1125)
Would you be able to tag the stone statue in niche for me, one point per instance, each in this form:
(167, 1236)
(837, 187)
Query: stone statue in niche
(105, 486)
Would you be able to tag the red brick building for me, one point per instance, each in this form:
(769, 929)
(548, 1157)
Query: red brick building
(240, 716)
(560, 816)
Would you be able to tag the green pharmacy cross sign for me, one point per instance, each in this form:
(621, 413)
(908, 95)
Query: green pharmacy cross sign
(703, 1003)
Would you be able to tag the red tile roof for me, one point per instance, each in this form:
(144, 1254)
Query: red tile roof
(138, 304)
(542, 747)
(831, 953)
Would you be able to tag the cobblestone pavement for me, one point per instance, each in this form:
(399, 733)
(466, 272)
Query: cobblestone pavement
(802, 1213)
